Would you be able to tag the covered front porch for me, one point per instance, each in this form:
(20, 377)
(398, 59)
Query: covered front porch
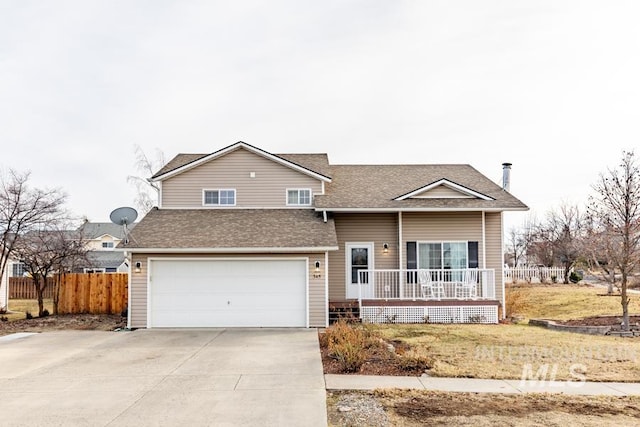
(428, 296)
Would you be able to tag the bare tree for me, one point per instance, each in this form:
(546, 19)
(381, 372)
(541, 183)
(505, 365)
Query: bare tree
(47, 251)
(518, 242)
(565, 227)
(147, 192)
(599, 245)
(615, 209)
(22, 209)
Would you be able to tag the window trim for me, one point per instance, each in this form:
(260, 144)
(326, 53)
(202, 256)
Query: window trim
(204, 192)
(299, 190)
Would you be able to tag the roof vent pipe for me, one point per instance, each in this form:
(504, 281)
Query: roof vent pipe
(506, 176)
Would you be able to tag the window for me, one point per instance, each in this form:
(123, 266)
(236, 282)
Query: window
(18, 270)
(299, 197)
(94, 270)
(219, 197)
(107, 245)
(442, 255)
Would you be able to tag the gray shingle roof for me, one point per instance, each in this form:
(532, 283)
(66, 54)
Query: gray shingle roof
(93, 230)
(232, 228)
(104, 259)
(376, 187)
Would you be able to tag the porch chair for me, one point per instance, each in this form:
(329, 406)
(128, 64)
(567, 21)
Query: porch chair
(468, 287)
(430, 289)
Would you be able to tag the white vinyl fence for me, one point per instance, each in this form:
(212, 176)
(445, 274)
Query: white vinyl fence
(533, 274)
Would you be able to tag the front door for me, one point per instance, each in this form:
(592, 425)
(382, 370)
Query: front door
(359, 259)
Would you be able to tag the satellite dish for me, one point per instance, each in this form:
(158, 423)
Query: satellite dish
(124, 216)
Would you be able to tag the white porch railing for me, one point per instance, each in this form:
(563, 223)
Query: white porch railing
(534, 274)
(405, 284)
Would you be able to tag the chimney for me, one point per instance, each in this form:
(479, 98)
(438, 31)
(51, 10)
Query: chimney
(506, 176)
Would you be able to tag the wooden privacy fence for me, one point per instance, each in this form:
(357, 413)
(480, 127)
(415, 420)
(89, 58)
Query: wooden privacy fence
(22, 288)
(95, 293)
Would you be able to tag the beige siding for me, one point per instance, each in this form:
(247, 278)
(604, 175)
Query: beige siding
(493, 233)
(317, 294)
(232, 171)
(138, 289)
(442, 226)
(443, 192)
(362, 228)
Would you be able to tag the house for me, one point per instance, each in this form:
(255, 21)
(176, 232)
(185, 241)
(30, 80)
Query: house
(244, 237)
(101, 239)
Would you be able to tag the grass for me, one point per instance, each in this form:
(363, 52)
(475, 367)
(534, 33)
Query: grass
(564, 302)
(504, 351)
(19, 307)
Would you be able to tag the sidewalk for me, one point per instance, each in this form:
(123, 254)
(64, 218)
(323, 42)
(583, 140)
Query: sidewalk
(473, 385)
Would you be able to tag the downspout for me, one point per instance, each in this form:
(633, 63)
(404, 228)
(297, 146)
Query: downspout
(129, 290)
(326, 287)
(484, 244)
(504, 296)
(324, 216)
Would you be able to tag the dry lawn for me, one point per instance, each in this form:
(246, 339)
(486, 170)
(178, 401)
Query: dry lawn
(503, 351)
(19, 307)
(418, 408)
(564, 302)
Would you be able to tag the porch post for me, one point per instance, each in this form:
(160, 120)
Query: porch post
(400, 253)
(484, 257)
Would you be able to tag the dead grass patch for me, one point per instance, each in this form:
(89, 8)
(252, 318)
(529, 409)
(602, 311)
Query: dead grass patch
(419, 407)
(19, 307)
(440, 408)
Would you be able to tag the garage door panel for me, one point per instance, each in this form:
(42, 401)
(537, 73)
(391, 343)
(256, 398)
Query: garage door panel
(225, 293)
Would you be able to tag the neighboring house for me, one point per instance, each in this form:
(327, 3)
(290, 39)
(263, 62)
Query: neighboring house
(101, 238)
(243, 237)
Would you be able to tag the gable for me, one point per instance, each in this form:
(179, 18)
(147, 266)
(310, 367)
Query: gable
(444, 189)
(185, 162)
(257, 180)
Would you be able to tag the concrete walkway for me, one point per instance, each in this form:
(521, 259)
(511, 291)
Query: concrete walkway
(472, 385)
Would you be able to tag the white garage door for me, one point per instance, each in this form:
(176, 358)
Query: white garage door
(226, 293)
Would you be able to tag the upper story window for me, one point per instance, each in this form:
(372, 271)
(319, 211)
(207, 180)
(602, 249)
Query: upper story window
(219, 197)
(18, 270)
(107, 245)
(299, 197)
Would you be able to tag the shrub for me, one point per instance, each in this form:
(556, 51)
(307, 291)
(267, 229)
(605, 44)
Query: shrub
(575, 277)
(45, 313)
(346, 344)
(28, 315)
(515, 301)
(4, 318)
(3, 310)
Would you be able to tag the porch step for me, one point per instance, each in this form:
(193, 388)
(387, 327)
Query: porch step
(348, 310)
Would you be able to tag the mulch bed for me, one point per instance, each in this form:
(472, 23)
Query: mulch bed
(97, 322)
(600, 321)
(379, 360)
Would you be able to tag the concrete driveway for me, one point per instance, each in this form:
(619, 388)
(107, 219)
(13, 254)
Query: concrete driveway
(221, 377)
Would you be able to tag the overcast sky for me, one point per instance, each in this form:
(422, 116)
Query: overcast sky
(550, 86)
